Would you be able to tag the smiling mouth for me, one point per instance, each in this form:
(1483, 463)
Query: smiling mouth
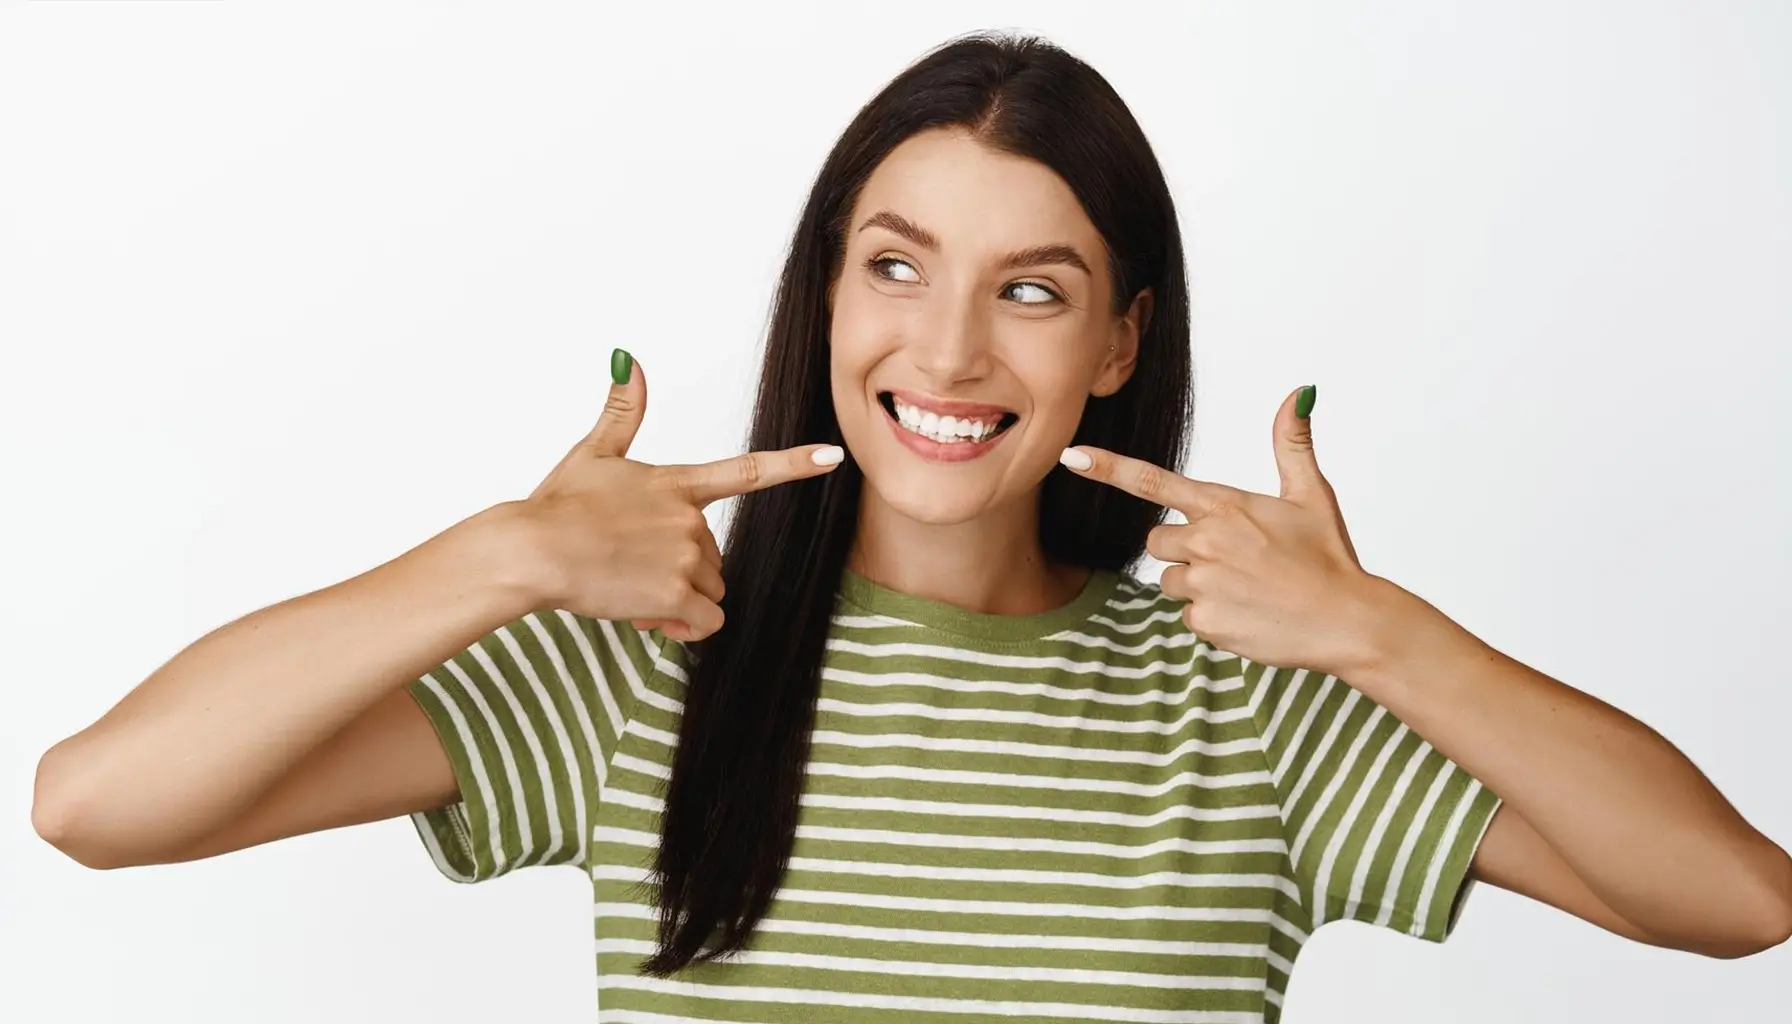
(946, 430)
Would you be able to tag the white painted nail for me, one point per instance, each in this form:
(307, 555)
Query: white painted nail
(832, 455)
(1075, 459)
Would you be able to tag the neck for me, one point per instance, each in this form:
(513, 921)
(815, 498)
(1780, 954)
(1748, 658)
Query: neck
(991, 564)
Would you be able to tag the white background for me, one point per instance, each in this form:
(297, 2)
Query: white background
(286, 290)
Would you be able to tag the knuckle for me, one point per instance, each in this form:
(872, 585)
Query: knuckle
(751, 468)
(708, 625)
(1154, 543)
(689, 557)
(1152, 482)
(1165, 542)
(620, 403)
(1198, 617)
(1253, 539)
(1203, 544)
(691, 521)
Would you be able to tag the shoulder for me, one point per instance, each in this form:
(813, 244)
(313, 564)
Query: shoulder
(1138, 617)
(1136, 605)
(1139, 609)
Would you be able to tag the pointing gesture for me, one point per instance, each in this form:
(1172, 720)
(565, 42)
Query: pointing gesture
(624, 540)
(1269, 578)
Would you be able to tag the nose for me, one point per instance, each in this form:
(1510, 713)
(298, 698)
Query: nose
(953, 343)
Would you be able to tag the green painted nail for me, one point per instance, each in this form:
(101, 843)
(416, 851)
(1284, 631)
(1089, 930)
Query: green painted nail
(1303, 406)
(622, 366)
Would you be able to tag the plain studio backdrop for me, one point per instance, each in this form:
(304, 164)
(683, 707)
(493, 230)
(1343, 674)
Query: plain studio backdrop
(284, 291)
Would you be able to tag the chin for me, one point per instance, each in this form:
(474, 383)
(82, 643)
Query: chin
(927, 501)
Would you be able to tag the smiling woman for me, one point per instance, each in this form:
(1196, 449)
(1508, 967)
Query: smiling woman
(915, 743)
(921, 312)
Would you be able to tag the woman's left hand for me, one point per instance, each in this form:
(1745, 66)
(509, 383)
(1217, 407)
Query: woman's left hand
(1272, 579)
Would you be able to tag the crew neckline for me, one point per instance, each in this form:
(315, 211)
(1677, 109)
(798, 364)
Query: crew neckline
(881, 600)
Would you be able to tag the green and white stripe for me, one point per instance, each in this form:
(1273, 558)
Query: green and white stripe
(1085, 815)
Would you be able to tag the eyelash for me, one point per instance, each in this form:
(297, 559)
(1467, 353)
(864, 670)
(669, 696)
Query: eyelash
(876, 264)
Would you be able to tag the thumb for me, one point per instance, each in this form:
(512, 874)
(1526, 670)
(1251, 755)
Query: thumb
(623, 409)
(1295, 461)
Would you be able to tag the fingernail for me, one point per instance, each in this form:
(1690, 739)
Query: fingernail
(622, 366)
(1303, 406)
(832, 455)
(1075, 459)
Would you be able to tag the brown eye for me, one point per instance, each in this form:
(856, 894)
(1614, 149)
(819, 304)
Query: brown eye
(892, 269)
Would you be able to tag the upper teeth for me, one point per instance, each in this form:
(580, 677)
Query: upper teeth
(945, 429)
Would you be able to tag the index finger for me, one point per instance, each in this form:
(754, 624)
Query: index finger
(1141, 479)
(754, 471)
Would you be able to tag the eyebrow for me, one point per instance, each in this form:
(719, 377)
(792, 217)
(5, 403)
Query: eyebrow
(1035, 256)
(1040, 255)
(895, 222)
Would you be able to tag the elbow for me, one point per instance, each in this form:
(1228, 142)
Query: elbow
(64, 819)
(1769, 922)
(1775, 927)
(1745, 946)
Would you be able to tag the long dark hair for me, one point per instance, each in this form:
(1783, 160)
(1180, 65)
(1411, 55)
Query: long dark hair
(731, 808)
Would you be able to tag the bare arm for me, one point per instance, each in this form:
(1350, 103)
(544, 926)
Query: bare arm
(386, 763)
(1513, 856)
(1599, 795)
(1601, 816)
(290, 719)
(295, 718)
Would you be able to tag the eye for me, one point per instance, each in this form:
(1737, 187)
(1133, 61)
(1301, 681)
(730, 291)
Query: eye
(892, 269)
(1029, 293)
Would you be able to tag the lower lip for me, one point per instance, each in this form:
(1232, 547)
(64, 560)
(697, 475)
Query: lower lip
(940, 451)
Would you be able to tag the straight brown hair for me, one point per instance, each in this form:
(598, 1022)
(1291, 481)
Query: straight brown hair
(731, 807)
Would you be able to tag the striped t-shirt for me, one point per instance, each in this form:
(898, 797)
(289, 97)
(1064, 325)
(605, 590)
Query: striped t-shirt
(1083, 815)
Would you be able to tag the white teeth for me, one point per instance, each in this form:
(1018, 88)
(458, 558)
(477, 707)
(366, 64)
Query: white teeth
(944, 429)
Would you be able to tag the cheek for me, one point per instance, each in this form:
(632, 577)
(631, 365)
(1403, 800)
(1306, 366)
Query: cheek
(1057, 374)
(861, 330)
(858, 341)
(852, 344)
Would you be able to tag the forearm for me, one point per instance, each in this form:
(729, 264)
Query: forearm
(1634, 818)
(216, 726)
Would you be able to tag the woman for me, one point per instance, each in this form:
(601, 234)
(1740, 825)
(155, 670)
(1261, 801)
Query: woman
(916, 744)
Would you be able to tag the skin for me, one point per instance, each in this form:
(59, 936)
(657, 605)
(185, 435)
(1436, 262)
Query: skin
(947, 319)
(295, 719)
(1602, 817)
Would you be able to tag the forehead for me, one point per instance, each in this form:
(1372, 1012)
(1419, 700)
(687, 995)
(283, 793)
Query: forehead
(976, 199)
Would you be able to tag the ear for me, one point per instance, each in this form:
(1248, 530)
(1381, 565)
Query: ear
(1123, 338)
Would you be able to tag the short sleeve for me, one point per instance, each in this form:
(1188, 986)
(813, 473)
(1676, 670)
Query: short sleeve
(1381, 827)
(530, 715)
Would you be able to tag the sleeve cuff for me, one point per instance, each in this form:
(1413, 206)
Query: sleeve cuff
(447, 832)
(1473, 813)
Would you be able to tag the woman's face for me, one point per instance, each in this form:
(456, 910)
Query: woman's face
(971, 321)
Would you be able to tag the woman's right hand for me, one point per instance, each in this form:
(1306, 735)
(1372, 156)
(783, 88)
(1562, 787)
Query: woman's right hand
(624, 540)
